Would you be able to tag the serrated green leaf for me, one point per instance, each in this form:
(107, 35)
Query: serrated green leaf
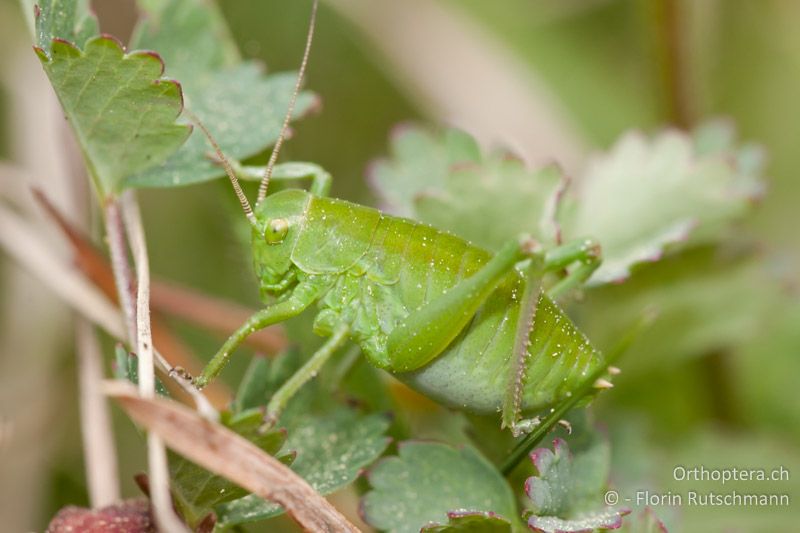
(122, 111)
(466, 522)
(646, 194)
(567, 492)
(69, 20)
(568, 484)
(477, 200)
(197, 491)
(244, 111)
(426, 481)
(419, 160)
(445, 182)
(331, 452)
(241, 106)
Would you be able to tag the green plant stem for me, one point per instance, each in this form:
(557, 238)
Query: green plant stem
(672, 62)
(536, 436)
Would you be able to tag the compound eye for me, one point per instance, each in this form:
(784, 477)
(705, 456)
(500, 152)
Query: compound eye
(276, 230)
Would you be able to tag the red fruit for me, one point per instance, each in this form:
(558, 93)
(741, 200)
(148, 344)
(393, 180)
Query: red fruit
(131, 516)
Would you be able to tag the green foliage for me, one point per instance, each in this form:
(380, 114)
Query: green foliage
(122, 112)
(329, 447)
(470, 522)
(426, 481)
(419, 160)
(445, 181)
(640, 465)
(645, 521)
(685, 291)
(68, 20)
(762, 382)
(331, 451)
(256, 381)
(190, 35)
(567, 492)
(197, 492)
(237, 102)
(646, 194)
(672, 184)
(568, 484)
(661, 206)
(604, 519)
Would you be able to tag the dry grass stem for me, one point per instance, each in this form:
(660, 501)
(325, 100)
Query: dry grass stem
(100, 456)
(158, 469)
(22, 242)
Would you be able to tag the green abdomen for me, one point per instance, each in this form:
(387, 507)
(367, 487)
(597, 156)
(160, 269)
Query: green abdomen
(406, 264)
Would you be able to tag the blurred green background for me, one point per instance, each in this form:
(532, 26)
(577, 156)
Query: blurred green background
(714, 384)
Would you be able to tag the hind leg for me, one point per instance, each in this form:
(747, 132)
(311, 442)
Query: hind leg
(426, 332)
(585, 255)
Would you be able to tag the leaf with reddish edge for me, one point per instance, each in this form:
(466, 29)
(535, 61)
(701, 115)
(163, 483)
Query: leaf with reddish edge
(470, 522)
(122, 111)
(445, 181)
(674, 185)
(604, 519)
(567, 492)
(130, 516)
(418, 159)
(236, 100)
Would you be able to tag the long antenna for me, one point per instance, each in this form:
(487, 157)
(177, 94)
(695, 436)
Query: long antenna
(262, 188)
(248, 211)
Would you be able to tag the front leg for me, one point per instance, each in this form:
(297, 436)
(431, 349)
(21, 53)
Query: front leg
(302, 296)
(310, 369)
